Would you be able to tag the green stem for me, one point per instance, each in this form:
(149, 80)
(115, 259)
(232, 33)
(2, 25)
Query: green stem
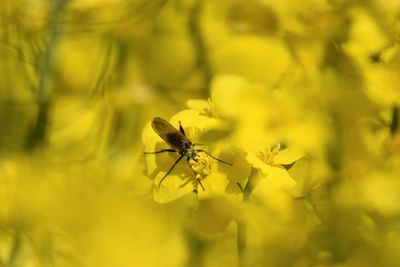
(394, 125)
(241, 226)
(15, 251)
(241, 244)
(199, 44)
(38, 133)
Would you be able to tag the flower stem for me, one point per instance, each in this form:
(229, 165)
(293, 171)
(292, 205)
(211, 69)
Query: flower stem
(241, 225)
(38, 133)
(241, 244)
(394, 125)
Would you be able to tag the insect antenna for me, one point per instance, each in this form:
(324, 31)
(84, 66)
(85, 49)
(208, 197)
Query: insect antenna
(217, 159)
(181, 128)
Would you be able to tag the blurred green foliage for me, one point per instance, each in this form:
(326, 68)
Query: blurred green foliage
(301, 96)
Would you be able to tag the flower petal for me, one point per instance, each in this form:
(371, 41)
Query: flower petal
(281, 178)
(289, 155)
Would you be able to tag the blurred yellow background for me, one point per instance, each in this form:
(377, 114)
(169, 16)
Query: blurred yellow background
(301, 96)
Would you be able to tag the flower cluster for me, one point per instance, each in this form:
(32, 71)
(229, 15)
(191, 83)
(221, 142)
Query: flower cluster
(293, 109)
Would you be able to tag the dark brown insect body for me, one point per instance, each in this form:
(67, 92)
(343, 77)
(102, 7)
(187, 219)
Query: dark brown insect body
(179, 143)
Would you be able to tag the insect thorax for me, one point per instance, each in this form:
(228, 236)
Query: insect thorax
(189, 151)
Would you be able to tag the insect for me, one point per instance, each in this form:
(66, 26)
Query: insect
(179, 143)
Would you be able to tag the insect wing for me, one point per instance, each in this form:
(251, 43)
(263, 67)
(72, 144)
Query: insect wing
(174, 138)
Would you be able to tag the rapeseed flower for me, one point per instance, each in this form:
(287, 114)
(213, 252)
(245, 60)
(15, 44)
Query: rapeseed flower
(218, 120)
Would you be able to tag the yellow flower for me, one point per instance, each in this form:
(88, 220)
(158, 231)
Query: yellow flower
(272, 161)
(232, 124)
(217, 178)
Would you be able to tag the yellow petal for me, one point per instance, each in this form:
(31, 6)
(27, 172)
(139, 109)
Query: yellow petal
(289, 155)
(194, 118)
(197, 104)
(171, 188)
(281, 178)
(214, 185)
(274, 196)
(257, 163)
(240, 169)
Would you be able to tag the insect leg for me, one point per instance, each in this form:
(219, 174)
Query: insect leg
(181, 128)
(170, 169)
(161, 151)
(202, 187)
(195, 187)
(217, 159)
